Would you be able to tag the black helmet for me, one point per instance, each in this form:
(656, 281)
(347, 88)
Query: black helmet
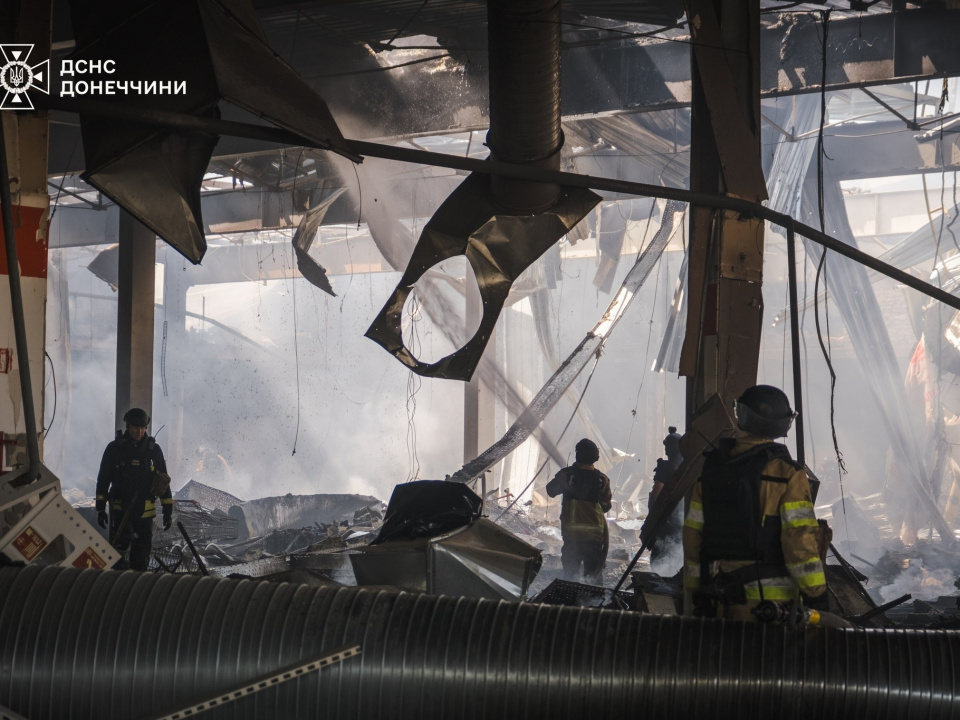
(137, 417)
(764, 411)
(587, 452)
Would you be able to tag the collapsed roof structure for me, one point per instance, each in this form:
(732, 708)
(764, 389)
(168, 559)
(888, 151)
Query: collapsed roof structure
(344, 142)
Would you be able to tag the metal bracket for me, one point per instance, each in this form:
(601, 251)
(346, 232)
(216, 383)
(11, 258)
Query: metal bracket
(6, 714)
(291, 672)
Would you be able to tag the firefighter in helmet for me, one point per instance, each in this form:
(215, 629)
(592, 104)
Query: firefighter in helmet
(586, 497)
(750, 533)
(133, 474)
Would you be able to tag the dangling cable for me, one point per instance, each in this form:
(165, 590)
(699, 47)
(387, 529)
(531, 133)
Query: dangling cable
(841, 467)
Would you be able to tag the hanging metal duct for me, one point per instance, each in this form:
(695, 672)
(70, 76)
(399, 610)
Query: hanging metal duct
(523, 47)
(500, 225)
(103, 644)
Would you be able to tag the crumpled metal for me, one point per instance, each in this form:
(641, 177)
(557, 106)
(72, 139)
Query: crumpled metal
(498, 245)
(303, 239)
(214, 47)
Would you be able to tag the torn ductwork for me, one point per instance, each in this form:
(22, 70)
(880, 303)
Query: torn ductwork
(500, 224)
(523, 39)
(498, 245)
(433, 540)
(211, 49)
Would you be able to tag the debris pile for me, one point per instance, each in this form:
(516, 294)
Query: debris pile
(272, 538)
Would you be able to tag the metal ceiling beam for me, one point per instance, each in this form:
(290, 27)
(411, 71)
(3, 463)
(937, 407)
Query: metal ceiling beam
(521, 172)
(626, 76)
(856, 152)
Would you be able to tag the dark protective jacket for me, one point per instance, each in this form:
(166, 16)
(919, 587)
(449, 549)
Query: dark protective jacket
(586, 497)
(127, 474)
(783, 502)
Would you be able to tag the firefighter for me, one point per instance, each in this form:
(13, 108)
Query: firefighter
(670, 532)
(132, 475)
(750, 533)
(586, 497)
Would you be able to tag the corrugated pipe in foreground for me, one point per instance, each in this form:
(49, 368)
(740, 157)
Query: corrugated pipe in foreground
(103, 644)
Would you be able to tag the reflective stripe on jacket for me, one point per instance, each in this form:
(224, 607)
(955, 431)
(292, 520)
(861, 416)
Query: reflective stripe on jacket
(786, 494)
(582, 515)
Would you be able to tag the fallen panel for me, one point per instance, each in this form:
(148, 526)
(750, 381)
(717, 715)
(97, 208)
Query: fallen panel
(303, 239)
(480, 560)
(433, 540)
(209, 497)
(264, 515)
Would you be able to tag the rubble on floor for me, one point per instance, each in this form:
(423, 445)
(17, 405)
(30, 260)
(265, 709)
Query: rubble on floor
(868, 568)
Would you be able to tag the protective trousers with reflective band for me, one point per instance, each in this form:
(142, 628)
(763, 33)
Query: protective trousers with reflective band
(783, 493)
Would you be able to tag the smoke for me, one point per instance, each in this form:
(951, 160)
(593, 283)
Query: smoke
(920, 582)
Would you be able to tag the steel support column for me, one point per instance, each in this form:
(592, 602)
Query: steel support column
(722, 346)
(137, 269)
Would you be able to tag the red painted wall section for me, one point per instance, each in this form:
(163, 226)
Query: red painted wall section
(31, 252)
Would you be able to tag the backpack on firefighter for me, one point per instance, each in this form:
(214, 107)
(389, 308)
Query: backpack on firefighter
(734, 527)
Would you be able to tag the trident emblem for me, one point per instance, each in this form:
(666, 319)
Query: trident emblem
(17, 77)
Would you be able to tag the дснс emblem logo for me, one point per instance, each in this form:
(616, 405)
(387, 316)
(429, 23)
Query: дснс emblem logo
(17, 76)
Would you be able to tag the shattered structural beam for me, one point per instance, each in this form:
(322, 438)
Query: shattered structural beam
(456, 162)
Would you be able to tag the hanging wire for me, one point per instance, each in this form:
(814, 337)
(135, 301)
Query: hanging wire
(821, 269)
(825, 349)
(414, 383)
(293, 284)
(163, 356)
(806, 357)
(53, 375)
(646, 352)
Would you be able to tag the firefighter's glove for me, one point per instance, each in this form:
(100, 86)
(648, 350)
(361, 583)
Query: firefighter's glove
(820, 603)
(102, 519)
(160, 484)
(167, 521)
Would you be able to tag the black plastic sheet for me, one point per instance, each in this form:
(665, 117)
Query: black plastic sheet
(427, 508)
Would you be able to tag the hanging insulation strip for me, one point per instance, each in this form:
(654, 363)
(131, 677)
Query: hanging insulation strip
(103, 644)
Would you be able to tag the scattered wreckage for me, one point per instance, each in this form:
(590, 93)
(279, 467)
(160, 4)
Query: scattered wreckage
(437, 538)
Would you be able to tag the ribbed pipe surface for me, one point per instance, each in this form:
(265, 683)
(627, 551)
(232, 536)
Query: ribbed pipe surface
(523, 41)
(102, 644)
